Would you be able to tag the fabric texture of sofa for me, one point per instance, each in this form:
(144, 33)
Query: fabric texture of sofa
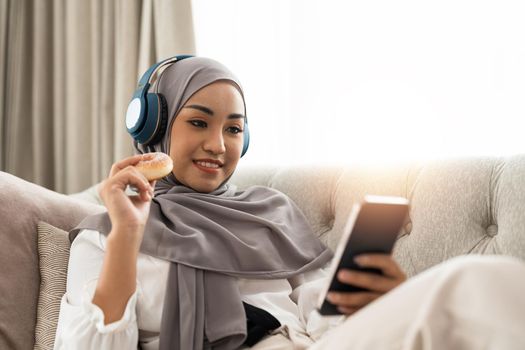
(458, 206)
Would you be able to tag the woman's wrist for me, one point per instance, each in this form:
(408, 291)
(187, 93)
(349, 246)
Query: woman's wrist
(125, 239)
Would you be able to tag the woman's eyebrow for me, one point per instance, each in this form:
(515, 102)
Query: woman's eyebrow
(236, 116)
(201, 108)
(210, 112)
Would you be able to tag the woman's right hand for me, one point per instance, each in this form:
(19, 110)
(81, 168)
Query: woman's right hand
(127, 213)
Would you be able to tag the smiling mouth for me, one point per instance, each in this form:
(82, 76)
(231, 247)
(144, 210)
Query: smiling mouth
(209, 166)
(205, 164)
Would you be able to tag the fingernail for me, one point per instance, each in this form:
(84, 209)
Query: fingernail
(360, 259)
(344, 311)
(331, 297)
(344, 274)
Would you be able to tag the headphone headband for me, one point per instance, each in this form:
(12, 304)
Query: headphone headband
(145, 79)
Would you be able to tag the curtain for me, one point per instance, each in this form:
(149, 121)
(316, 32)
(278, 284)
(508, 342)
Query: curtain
(67, 72)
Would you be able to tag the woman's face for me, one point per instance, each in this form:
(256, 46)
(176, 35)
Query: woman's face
(207, 137)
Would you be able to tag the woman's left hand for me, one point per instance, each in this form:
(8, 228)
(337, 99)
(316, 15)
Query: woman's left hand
(376, 285)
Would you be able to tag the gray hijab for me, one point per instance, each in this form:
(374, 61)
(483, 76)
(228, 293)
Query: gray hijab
(211, 239)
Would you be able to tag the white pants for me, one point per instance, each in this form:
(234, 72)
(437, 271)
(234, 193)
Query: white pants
(469, 302)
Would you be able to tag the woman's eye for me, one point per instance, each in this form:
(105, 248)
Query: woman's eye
(234, 130)
(198, 123)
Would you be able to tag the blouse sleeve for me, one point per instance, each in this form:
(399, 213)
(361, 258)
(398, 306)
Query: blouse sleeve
(81, 323)
(306, 290)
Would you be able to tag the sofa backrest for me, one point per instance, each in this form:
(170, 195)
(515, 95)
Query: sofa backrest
(458, 206)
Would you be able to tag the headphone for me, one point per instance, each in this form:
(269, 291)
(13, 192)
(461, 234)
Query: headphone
(147, 113)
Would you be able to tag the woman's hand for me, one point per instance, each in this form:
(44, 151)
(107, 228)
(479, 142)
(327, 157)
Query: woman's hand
(376, 285)
(128, 213)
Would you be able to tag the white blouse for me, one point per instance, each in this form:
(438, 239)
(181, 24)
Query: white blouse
(81, 323)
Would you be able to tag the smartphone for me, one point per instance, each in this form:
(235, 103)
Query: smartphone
(372, 227)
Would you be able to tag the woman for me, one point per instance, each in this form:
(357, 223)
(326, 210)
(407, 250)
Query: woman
(255, 245)
(192, 263)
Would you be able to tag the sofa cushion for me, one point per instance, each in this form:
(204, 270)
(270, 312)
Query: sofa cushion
(23, 205)
(53, 256)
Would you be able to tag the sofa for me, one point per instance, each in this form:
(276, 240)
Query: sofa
(469, 205)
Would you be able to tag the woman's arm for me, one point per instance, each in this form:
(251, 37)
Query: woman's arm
(128, 215)
(118, 275)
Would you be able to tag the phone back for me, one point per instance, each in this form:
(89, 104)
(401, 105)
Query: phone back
(373, 227)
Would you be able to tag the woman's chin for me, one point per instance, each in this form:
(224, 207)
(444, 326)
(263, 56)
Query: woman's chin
(204, 187)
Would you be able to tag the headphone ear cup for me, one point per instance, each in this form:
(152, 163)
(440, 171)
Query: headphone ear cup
(246, 139)
(163, 120)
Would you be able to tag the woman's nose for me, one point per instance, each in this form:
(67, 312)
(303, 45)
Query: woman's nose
(214, 143)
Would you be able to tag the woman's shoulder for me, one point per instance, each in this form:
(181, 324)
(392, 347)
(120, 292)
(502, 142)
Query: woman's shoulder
(91, 243)
(89, 239)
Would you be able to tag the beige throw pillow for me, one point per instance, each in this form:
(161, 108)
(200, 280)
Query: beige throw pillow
(53, 254)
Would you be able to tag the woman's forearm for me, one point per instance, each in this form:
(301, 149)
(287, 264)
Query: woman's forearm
(117, 281)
